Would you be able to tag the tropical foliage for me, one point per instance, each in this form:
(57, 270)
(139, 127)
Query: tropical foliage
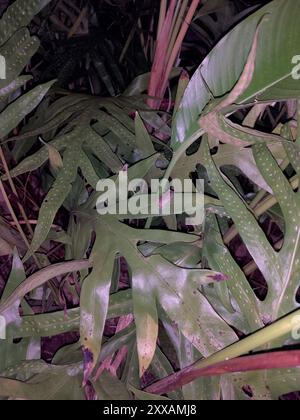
(156, 310)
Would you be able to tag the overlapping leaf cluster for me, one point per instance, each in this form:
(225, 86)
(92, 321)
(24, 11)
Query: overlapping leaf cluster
(176, 303)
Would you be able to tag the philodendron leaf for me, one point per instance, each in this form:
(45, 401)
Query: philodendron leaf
(16, 277)
(219, 258)
(17, 287)
(202, 388)
(13, 86)
(9, 307)
(222, 68)
(252, 234)
(39, 158)
(49, 324)
(154, 279)
(10, 352)
(281, 297)
(143, 138)
(18, 15)
(75, 145)
(243, 159)
(17, 51)
(265, 385)
(16, 111)
(161, 367)
(52, 383)
(55, 159)
(280, 269)
(56, 197)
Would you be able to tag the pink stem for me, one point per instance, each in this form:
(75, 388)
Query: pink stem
(185, 26)
(157, 72)
(272, 360)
